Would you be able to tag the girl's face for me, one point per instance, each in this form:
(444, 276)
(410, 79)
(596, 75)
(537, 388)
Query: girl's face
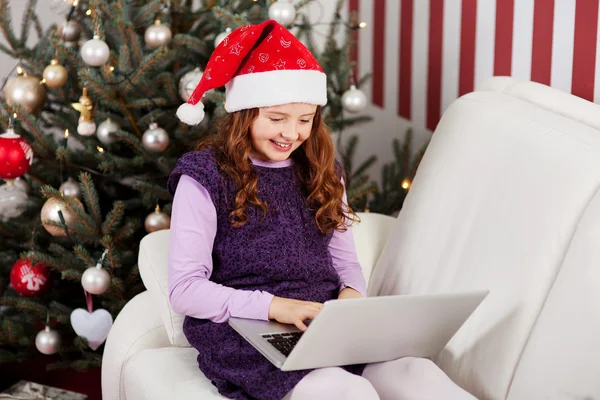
(279, 130)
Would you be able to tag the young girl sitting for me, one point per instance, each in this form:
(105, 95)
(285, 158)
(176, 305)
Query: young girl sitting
(260, 228)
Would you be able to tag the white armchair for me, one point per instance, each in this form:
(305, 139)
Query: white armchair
(506, 198)
(146, 354)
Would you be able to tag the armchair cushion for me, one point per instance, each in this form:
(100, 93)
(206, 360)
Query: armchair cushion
(153, 263)
(167, 373)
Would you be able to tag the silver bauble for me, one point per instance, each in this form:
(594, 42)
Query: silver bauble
(85, 128)
(188, 83)
(70, 188)
(95, 280)
(221, 36)
(157, 221)
(26, 91)
(155, 139)
(283, 12)
(95, 52)
(69, 32)
(49, 213)
(48, 341)
(354, 100)
(55, 75)
(158, 35)
(106, 130)
(13, 201)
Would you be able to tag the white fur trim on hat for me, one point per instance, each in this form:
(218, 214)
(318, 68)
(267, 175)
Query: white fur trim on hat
(191, 114)
(272, 88)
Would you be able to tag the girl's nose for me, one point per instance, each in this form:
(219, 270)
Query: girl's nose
(290, 133)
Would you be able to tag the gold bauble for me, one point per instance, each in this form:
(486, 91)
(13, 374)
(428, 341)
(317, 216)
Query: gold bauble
(55, 75)
(157, 221)
(49, 214)
(27, 91)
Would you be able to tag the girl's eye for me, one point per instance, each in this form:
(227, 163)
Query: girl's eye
(305, 121)
(276, 119)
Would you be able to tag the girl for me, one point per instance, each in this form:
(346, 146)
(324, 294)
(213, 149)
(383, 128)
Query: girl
(260, 227)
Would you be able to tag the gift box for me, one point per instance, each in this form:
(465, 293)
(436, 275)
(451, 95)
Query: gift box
(24, 390)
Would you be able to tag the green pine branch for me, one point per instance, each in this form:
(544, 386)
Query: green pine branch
(232, 20)
(27, 20)
(90, 197)
(113, 218)
(184, 42)
(82, 253)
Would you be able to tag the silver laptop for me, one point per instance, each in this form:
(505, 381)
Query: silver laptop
(356, 331)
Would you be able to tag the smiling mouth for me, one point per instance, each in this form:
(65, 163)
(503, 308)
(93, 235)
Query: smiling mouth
(282, 145)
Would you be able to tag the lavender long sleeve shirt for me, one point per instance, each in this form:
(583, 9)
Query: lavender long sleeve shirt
(192, 234)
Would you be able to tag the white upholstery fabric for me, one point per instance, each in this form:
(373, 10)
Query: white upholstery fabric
(138, 327)
(167, 373)
(370, 236)
(562, 360)
(153, 262)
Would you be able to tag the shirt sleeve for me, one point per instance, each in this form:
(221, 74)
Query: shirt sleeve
(191, 239)
(345, 260)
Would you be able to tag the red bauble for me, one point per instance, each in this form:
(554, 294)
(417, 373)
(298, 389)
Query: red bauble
(16, 155)
(28, 280)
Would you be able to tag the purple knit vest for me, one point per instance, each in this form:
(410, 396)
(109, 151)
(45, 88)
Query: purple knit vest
(282, 252)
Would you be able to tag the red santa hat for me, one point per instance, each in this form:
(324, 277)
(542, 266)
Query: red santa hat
(260, 65)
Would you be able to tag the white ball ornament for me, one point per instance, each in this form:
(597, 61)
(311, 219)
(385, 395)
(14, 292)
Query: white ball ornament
(354, 100)
(221, 36)
(106, 131)
(158, 35)
(188, 83)
(283, 12)
(155, 139)
(70, 188)
(95, 280)
(95, 52)
(48, 341)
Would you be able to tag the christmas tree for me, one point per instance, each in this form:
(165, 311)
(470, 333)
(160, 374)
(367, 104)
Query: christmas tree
(90, 139)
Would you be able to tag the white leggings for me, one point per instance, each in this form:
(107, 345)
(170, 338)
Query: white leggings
(403, 379)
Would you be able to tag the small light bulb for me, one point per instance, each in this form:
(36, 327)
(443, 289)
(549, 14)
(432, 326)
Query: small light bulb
(362, 25)
(15, 115)
(19, 70)
(111, 68)
(88, 12)
(66, 133)
(100, 149)
(405, 184)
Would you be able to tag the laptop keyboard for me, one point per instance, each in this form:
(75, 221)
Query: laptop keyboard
(283, 342)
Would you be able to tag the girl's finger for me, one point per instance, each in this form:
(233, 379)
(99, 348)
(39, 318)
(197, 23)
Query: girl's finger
(300, 325)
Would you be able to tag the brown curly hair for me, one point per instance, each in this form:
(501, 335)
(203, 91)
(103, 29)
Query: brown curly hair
(314, 164)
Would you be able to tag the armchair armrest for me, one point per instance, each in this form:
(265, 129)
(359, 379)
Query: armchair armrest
(137, 327)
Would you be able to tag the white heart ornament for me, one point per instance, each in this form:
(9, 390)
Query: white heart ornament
(92, 326)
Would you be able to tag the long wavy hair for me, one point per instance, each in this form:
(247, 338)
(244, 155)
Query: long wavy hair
(314, 166)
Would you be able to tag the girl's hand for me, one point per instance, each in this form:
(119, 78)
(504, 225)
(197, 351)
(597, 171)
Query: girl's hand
(349, 293)
(290, 311)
